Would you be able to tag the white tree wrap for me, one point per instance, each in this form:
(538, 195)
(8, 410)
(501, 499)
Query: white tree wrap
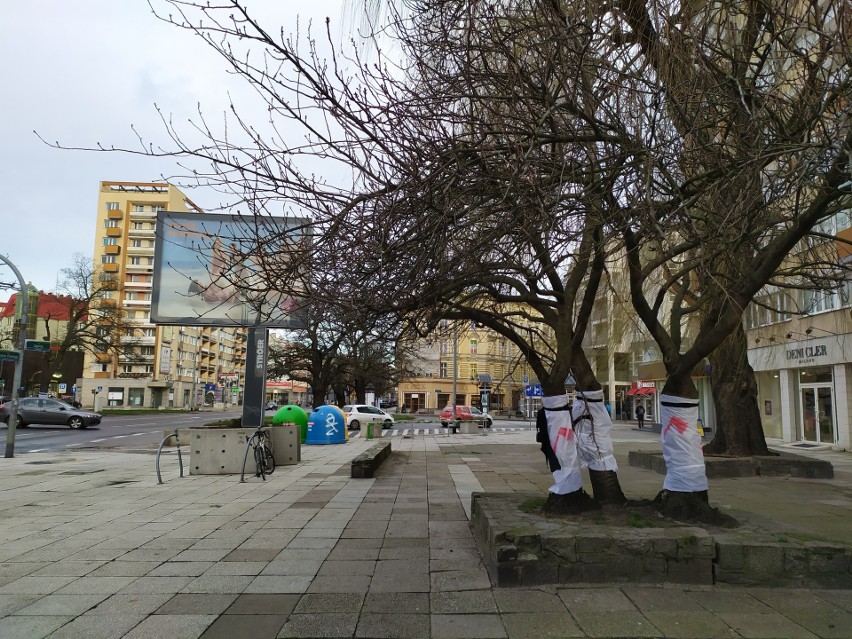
(568, 478)
(593, 427)
(685, 470)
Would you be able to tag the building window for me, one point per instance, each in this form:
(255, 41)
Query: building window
(112, 206)
(136, 243)
(442, 367)
(135, 396)
(473, 346)
(111, 224)
(107, 259)
(138, 208)
(126, 368)
(110, 241)
(115, 396)
(135, 261)
(474, 371)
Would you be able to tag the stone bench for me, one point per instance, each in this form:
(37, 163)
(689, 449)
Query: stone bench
(365, 464)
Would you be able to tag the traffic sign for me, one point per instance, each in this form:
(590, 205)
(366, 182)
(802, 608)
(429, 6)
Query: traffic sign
(100, 388)
(9, 355)
(533, 390)
(37, 345)
(526, 379)
(63, 388)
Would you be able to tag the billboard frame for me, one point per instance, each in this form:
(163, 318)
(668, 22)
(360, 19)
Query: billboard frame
(193, 247)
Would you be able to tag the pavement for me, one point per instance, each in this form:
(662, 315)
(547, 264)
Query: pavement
(92, 547)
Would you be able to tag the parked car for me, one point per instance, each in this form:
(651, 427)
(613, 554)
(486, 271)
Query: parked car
(465, 414)
(39, 410)
(357, 414)
(387, 403)
(271, 406)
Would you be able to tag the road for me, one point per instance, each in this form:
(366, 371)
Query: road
(144, 432)
(136, 432)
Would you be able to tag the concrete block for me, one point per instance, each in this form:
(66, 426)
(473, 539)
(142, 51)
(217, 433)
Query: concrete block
(286, 444)
(219, 451)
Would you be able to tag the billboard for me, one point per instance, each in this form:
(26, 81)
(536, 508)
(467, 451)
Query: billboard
(227, 270)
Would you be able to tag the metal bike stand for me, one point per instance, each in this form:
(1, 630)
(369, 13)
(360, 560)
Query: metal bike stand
(160, 449)
(245, 459)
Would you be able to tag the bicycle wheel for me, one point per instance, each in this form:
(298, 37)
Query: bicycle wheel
(268, 460)
(259, 462)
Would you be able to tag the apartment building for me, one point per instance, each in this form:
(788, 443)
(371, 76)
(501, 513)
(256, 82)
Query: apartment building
(800, 346)
(163, 366)
(484, 361)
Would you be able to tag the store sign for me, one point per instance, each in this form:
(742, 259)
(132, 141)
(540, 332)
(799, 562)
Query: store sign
(807, 354)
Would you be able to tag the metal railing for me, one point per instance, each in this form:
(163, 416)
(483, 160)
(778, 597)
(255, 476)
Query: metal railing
(160, 449)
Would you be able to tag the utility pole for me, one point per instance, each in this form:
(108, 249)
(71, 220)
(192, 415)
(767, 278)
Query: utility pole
(19, 363)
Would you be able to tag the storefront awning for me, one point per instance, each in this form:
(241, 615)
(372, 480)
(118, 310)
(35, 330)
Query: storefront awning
(646, 391)
(633, 391)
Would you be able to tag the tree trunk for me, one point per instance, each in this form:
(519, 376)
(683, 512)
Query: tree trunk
(739, 431)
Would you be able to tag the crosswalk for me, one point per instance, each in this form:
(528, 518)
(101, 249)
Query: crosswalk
(413, 432)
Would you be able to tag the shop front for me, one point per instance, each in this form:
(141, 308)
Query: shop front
(803, 389)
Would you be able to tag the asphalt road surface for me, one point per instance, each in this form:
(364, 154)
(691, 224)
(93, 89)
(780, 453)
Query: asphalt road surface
(144, 432)
(136, 432)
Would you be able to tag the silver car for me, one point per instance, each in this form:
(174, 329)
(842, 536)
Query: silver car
(38, 410)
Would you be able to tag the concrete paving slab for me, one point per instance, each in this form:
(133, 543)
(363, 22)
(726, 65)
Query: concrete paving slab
(316, 603)
(540, 625)
(201, 604)
(326, 625)
(463, 602)
(15, 627)
(616, 623)
(394, 625)
(474, 626)
(98, 627)
(171, 626)
(62, 605)
(259, 626)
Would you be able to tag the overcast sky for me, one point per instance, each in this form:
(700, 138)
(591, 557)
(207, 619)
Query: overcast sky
(82, 73)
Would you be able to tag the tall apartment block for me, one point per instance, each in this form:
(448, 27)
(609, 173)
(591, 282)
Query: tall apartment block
(162, 366)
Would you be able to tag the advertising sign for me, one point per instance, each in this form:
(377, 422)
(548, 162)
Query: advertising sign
(227, 270)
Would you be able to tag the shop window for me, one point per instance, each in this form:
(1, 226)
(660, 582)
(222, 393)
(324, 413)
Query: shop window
(136, 397)
(115, 396)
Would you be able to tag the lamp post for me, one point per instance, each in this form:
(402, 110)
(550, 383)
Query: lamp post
(19, 363)
(455, 373)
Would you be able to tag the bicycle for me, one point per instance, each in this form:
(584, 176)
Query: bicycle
(263, 459)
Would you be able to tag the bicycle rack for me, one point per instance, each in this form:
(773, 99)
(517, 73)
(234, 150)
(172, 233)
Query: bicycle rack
(245, 459)
(160, 449)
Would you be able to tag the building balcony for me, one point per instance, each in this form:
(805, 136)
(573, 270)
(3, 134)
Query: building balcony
(136, 303)
(143, 215)
(110, 268)
(112, 249)
(113, 231)
(138, 285)
(115, 214)
(148, 340)
(143, 233)
(137, 268)
(140, 250)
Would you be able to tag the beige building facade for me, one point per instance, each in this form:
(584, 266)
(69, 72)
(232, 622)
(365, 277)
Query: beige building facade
(164, 366)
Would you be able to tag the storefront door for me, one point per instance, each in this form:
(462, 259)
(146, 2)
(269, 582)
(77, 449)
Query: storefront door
(817, 414)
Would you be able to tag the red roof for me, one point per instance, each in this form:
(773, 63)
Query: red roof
(57, 307)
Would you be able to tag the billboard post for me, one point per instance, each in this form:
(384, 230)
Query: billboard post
(255, 380)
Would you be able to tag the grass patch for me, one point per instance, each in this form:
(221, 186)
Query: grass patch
(532, 505)
(143, 411)
(637, 520)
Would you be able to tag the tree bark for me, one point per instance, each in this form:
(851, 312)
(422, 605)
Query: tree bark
(739, 431)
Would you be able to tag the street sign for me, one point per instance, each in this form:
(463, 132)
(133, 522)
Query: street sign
(74, 388)
(9, 356)
(533, 390)
(63, 388)
(37, 345)
(100, 388)
(526, 379)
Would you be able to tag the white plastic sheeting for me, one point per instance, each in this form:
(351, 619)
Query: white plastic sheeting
(594, 440)
(685, 470)
(568, 478)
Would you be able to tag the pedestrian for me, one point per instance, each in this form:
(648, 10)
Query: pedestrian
(640, 415)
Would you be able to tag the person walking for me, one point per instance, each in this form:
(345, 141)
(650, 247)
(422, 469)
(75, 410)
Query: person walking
(640, 415)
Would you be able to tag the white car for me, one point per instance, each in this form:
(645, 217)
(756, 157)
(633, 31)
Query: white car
(357, 414)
